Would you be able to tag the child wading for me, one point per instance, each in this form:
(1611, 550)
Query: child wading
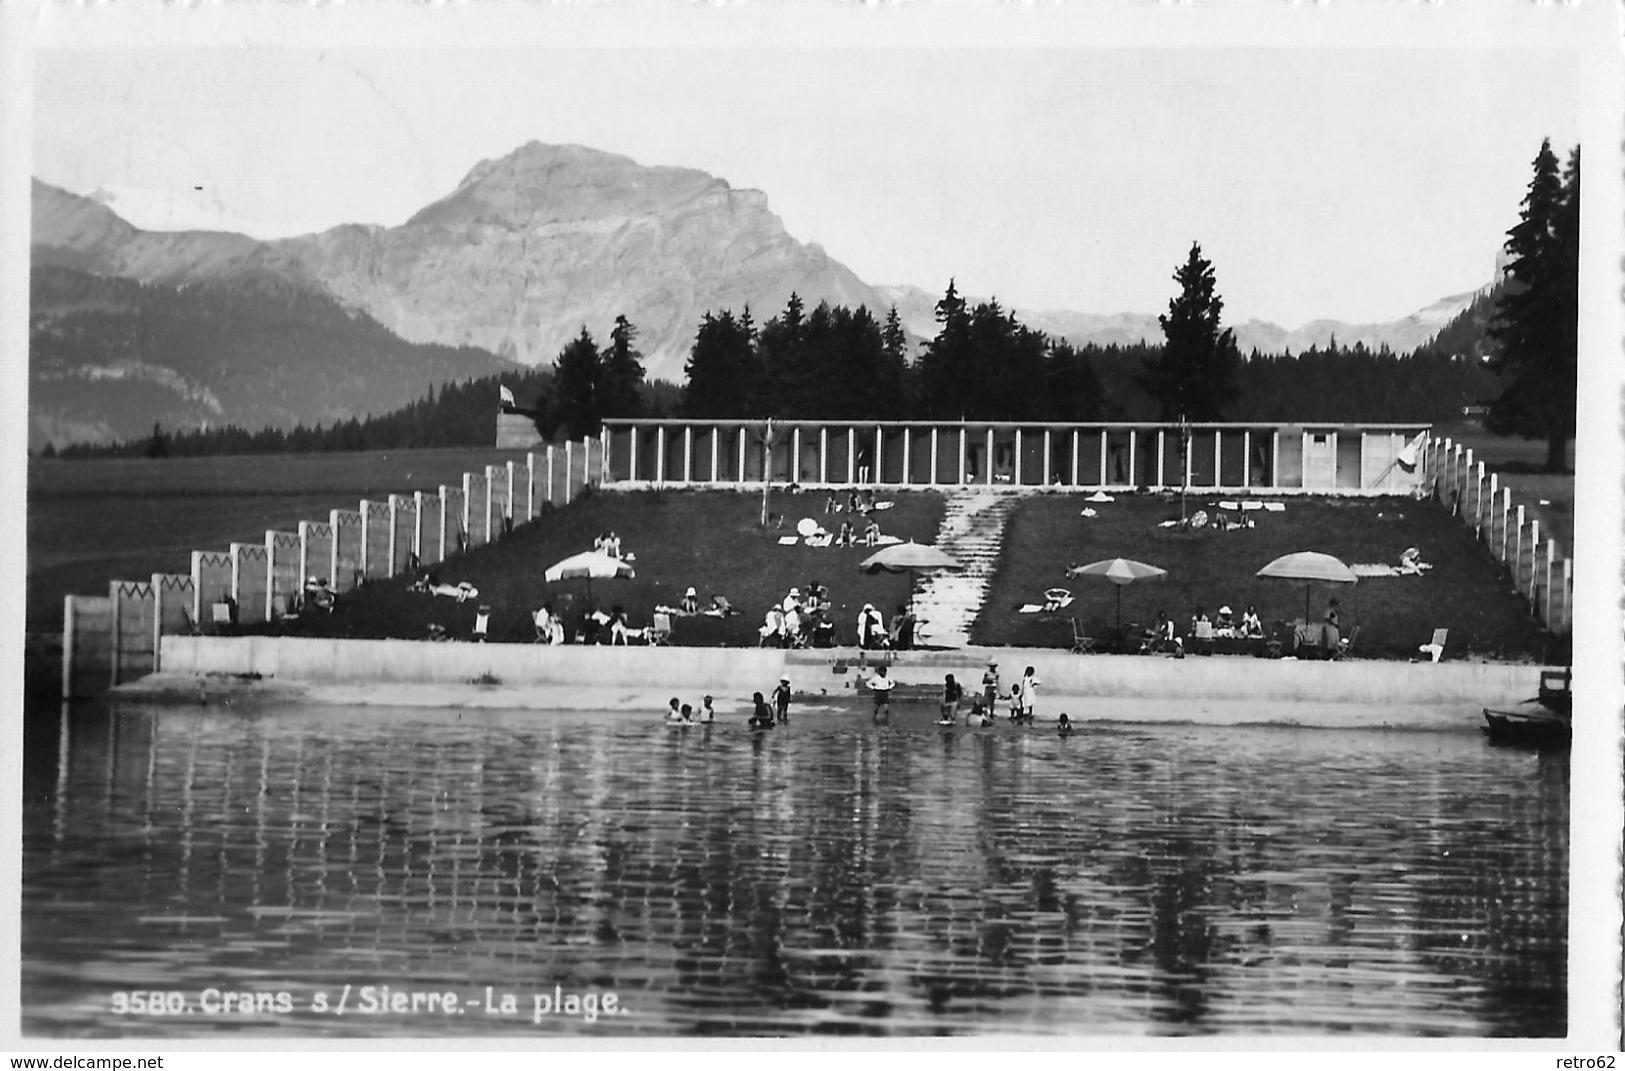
(951, 693)
(781, 700)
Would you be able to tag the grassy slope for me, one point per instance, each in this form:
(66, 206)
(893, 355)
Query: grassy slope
(1518, 462)
(1466, 591)
(708, 539)
(94, 521)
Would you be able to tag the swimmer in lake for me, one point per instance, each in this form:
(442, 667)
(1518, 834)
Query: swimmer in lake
(1064, 726)
(760, 716)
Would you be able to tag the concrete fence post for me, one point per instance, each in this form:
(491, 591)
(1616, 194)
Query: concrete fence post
(569, 468)
(1549, 576)
(431, 529)
(403, 526)
(211, 584)
(1504, 509)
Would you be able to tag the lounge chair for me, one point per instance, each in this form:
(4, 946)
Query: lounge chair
(1082, 642)
(1056, 599)
(1435, 646)
(659, 634)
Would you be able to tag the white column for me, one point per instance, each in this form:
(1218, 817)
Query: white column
(933, 478)
(1247, 458)
(1275, 458)
(1045, 468)
(823, 454)
(1162, 457)
(1133, 456)
(795, 454)
(632, 456)
(569, 467)
(740, 432)
(716, 453)
(660, 453)
(688, 453)
(989, 465)
(874, 474)
(962, 445)
(908, 449)
(1218, 458)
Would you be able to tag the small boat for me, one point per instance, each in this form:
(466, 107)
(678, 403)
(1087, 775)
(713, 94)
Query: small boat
(1546, 720)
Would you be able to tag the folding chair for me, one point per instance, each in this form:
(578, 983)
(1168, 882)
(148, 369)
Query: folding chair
(1346, 643)
(660, 631)
(220, 616)
(1435, 646)
(482, 624)
(1082, 643)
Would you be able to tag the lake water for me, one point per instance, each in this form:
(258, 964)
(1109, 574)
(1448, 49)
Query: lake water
(826, 878)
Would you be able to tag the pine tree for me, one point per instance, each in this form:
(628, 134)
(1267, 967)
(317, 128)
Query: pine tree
(1536, 324)
(1194, 377)
(621, 372)
(720, 369)
(578, 372)
(946, 365)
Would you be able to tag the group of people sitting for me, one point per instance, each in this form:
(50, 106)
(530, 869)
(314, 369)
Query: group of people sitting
(609, 543)
(848, 536)
(318, 595)
(1164, 638)
(857, 501)
(799, 620)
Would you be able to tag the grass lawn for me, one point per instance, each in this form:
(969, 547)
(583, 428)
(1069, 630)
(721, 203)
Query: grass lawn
(1549, 497)
(1467, 591)
(93, 521)
(708, 539)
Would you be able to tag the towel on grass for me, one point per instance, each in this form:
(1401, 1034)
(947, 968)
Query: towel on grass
(789, 541)
(1088, 512)
(1100, 496)
(1229, 505)
(1275, 507)
(1029, 608)
(1252, 503)
(881, 505)
(821, 540)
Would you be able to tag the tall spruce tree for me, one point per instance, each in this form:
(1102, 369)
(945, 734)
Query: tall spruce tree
(576, 376)
(720, 371)
(1194, 377)
(1536, 324)
(621, 372)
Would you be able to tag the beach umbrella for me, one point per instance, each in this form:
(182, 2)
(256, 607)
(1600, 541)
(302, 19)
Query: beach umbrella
(589, 565)
(906, 558)
(1119, 571)
(1311, 567)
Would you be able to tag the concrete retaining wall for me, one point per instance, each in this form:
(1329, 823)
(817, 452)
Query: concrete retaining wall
(405, 661)
(734, 672)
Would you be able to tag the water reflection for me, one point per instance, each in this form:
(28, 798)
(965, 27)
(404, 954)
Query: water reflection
(828, 878)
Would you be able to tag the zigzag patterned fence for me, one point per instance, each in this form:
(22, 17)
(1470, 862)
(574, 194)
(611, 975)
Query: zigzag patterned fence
(117, 638)
(1539, 570)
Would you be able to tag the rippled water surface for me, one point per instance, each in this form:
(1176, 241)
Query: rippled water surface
(830, 877)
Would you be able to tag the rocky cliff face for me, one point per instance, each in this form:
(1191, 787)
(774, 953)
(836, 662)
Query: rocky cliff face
(532, 247)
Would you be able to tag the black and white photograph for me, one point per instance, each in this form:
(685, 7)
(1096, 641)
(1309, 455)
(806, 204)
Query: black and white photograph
(815, 525)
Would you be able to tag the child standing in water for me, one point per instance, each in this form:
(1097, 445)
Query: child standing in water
(781, 700)
(1029, 694)
(1016, 713)
(760, 716)
(951, 693)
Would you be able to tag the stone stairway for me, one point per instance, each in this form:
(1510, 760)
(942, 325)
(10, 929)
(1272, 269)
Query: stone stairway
(972, 531)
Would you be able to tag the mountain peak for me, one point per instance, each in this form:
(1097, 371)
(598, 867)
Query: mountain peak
(538, 184)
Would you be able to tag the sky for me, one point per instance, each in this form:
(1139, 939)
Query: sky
(1048, 170)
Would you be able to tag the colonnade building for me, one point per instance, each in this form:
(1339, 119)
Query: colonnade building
(1351, 459)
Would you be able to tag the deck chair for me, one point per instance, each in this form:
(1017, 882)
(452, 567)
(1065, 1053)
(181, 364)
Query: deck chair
(1056, 599)
(1082, 642)
(220, 616)
(1435, 646)
(660, 631)
(482, 624)
(1345, 644)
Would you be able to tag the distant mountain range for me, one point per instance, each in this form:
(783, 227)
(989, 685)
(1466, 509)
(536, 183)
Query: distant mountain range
(509, 266)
